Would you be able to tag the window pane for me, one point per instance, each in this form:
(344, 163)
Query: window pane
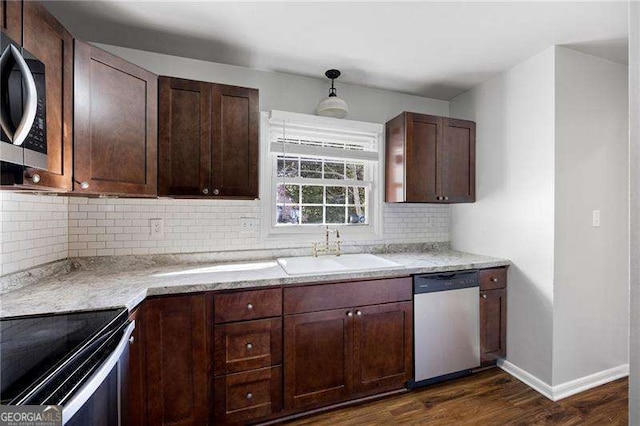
(356, 215)
(356, 195)
(310, 168)
(287, 167)
(289, 194)
(311, 214)
(312, 194)
(333, 170)
(355, 171)
(335, 215)
(336, 194)
(288, 214)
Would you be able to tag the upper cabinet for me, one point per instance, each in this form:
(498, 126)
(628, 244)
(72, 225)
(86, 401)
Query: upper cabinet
(11, 19)
(115, 124)
(208, 140)
(430, 159)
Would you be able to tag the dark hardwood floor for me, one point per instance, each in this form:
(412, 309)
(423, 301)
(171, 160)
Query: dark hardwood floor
(491, 397)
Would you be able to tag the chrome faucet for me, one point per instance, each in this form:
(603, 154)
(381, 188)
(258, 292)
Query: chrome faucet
(327, 248)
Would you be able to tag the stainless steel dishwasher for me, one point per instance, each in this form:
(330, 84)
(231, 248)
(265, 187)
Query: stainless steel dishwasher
(446, 326)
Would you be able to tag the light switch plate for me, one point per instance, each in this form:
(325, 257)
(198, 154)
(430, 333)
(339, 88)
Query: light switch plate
(157, 228)
(595, 218)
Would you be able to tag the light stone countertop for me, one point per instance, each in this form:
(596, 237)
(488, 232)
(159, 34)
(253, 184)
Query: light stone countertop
(121, 282)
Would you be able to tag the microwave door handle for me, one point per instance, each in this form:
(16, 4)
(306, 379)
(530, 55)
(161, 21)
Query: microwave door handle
(6, 65)
(30, 104)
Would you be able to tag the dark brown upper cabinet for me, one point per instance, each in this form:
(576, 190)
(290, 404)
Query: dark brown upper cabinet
(430, 159)
(208, 140)
(115, 123)
(32, 26)
(11, 19)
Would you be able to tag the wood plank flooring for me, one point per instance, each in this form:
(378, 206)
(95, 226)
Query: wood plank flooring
(491, 397)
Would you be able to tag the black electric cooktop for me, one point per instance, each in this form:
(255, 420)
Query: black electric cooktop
(31, 348)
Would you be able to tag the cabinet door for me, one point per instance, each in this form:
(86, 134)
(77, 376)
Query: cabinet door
(11, 19)
(457, 161)
(177, 361)
(46, 39)
(115, 124)
(135, 403)
(493, 325)
(383, 346)
(185, 137)
(423, 134)
(235, 141)
(318, 353)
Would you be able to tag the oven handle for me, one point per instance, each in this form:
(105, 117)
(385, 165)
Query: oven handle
(30, 104)
(89, 388)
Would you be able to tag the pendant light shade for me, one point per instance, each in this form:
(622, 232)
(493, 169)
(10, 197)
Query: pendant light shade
(332, 105)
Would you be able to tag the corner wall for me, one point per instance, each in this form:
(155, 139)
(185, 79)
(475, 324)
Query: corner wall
(513, 214)
(591, 274)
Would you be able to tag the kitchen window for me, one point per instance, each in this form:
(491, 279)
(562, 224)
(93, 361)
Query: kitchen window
(320, 171)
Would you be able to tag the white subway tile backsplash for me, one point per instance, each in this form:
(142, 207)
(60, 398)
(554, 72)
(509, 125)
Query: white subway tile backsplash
(40, 229)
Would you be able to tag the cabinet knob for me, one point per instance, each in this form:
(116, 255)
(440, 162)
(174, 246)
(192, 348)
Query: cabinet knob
(484, 296)
(216, 191)
(358, 313)
(446, 198)
(494, 280)
(249, 346)
(35, 178)
(249, 395)
(131, 340)
(205, 191)
(84, 185)
(249, 306)
(349, 313)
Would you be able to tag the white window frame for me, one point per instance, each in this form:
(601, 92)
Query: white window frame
(268, 179)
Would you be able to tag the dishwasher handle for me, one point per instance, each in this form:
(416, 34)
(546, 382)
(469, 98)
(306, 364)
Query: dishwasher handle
(431, 283)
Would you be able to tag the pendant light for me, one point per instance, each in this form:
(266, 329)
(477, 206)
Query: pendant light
(332, 105)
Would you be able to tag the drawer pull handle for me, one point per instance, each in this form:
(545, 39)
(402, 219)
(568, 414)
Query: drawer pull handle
(484, 296)
(249, 306)
(349, 313)
(249, 395)
(495, 280)
(249, 346)
(358, 313)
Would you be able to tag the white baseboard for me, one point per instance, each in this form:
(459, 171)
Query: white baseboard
(558, 392)
(591, 381)
(527, 378)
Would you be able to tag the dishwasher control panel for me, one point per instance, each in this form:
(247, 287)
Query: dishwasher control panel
(429, 283)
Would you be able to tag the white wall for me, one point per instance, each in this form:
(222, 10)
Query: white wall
(513, 214)
(286, 92)
(634, 98)
(591, 274)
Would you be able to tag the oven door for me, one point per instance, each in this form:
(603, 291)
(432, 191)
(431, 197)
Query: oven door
(101, 400)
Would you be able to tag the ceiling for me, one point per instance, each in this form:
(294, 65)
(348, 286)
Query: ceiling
(437, 50)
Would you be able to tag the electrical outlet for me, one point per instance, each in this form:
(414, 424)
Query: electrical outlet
(157, 227)
(248, 224)
(595, 218)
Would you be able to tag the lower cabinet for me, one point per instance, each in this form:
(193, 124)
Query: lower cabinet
(176, 360)
(335, 355)
(493, 315)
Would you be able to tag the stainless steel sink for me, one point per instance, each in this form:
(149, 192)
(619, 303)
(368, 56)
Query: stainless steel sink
(309, 265)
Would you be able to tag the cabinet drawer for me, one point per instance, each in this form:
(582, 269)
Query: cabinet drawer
(247, 305)
(346, 295)
(246, 396)
(492, 279)
(247, 345)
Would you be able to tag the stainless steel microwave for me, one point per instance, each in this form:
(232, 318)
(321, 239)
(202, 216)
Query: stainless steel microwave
(22, 108)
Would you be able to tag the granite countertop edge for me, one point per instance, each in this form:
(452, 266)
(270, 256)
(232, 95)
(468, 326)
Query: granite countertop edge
(70, 288)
